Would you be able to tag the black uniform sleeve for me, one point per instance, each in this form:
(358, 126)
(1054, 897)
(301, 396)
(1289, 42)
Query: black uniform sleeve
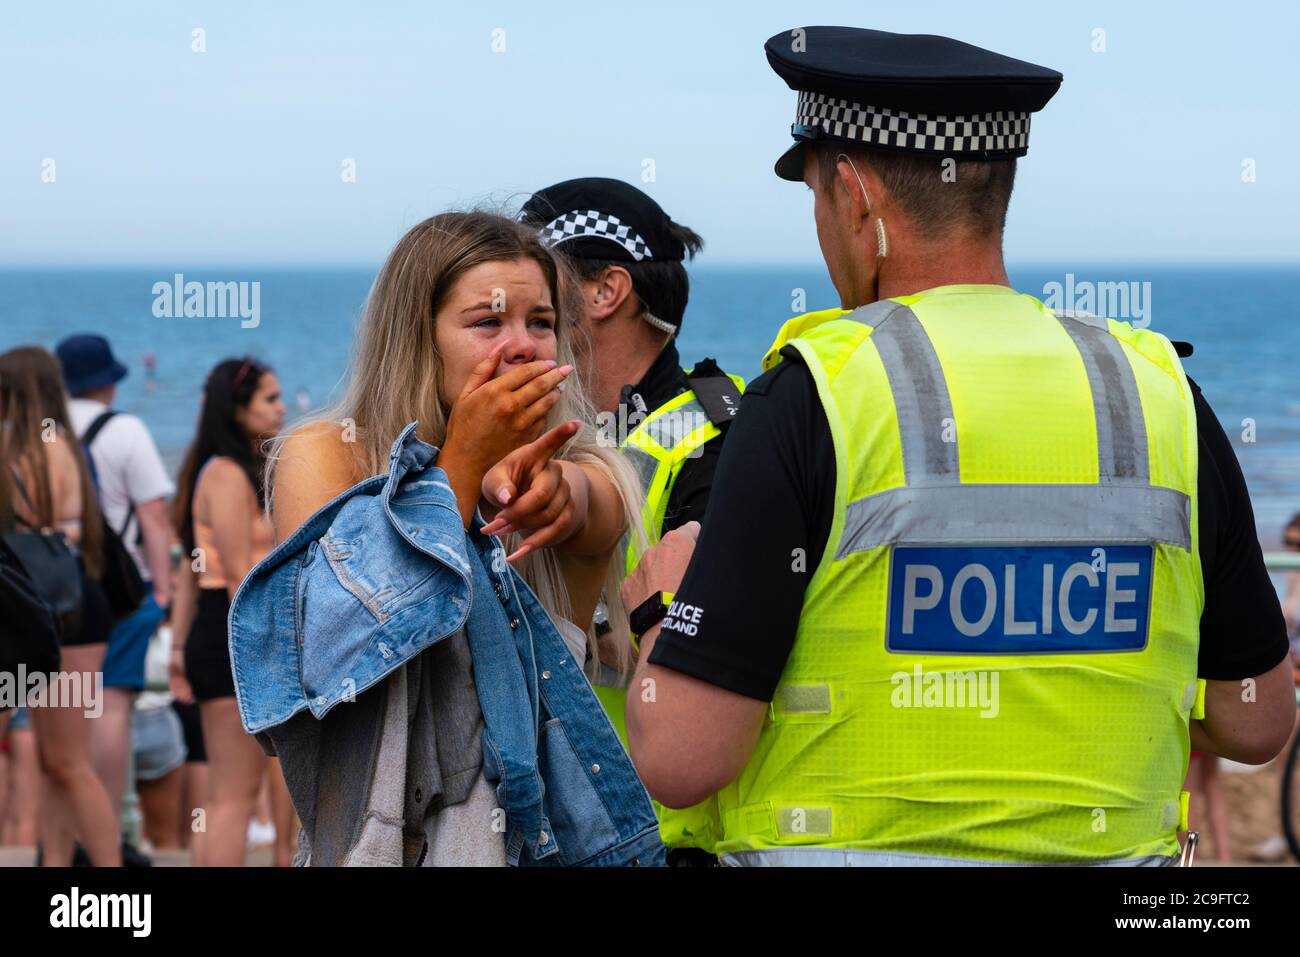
(1243, 633)
(769, 516)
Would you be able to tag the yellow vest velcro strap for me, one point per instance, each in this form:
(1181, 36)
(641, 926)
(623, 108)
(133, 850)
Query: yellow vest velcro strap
(800, 821)
(771, 822)
(1047, 514)
(1184, 810)
(756, 819)
(802, 699)
(1121, 427)
(1171, 812)
(1194, 699)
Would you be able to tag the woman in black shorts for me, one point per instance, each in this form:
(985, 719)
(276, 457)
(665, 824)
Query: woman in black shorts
(221, 518)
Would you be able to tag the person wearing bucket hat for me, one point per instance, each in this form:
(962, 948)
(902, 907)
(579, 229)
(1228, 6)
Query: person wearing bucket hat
(628, 255)
(133, 488)
(971, 507)
(88, 364)
(132, 481)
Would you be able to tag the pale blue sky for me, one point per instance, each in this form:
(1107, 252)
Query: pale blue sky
(166, 157)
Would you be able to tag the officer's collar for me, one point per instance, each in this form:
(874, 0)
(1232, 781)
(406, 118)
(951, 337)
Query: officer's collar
(796, 327)
(661, 382)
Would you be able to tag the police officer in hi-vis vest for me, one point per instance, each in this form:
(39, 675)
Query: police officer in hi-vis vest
(975, 575)
(628, 256)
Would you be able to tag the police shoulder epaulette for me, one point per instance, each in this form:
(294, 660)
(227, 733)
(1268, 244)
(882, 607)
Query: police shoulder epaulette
(716, 393)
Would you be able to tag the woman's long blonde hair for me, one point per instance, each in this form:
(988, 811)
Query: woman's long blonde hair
(395, 377)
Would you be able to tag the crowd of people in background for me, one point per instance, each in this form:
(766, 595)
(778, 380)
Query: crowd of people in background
(160, 761)
(143, 571)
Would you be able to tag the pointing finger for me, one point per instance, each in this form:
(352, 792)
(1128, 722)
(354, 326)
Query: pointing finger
(552, 441)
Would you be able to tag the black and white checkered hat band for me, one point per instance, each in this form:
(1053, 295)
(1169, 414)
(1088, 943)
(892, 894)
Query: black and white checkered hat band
(879, 126)
(591, 222)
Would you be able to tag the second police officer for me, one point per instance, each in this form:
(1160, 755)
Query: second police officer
(628, 255)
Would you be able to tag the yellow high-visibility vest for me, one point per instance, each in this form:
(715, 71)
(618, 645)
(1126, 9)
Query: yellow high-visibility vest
(996, 658)
(659, 446)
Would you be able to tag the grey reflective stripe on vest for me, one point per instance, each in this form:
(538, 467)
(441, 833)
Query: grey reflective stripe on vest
(1121, 426)
(669, 428)
(874, 313)
(645, 464)
(1018, 513)
(920, 391)
(933, 507)
(832, 857)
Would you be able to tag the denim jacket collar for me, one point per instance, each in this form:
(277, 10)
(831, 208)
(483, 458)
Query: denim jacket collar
(268, 664)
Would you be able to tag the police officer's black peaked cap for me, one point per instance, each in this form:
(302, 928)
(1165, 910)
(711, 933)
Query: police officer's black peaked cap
(912, 93)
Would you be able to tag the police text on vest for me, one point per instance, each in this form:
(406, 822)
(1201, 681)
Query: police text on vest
(1030, 599)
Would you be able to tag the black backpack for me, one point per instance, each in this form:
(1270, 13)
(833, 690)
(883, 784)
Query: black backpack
(48, 564)
(29, 628)
(121, 579)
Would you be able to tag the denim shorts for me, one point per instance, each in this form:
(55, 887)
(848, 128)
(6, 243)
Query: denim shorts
(158, 741)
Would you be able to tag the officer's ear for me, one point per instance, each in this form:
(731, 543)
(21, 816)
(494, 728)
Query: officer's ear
(863, 187)
(608, 291)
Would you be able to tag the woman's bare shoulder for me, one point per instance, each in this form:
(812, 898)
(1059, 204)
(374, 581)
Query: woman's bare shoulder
(319, 447)
(222, 488)
(312, 466)
(222, 469)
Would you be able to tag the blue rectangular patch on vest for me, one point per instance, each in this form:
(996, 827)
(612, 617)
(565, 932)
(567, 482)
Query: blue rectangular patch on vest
(1041, 599)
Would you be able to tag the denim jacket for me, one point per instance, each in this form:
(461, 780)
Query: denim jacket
(384, 572)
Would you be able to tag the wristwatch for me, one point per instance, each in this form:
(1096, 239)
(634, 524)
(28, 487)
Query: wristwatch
(648, 614)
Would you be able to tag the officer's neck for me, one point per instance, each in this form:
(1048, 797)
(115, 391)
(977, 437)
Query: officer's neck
(960, 262)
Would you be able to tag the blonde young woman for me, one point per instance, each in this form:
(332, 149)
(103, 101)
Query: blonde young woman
(467, 331)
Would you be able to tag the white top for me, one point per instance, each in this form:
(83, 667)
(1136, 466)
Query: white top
(128, 466)
(157, 661)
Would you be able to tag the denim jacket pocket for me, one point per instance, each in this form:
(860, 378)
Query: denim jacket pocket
(355, 629)
(376, 564)
(575, 808)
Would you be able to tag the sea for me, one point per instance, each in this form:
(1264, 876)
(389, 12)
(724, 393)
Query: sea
(1244, 324)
